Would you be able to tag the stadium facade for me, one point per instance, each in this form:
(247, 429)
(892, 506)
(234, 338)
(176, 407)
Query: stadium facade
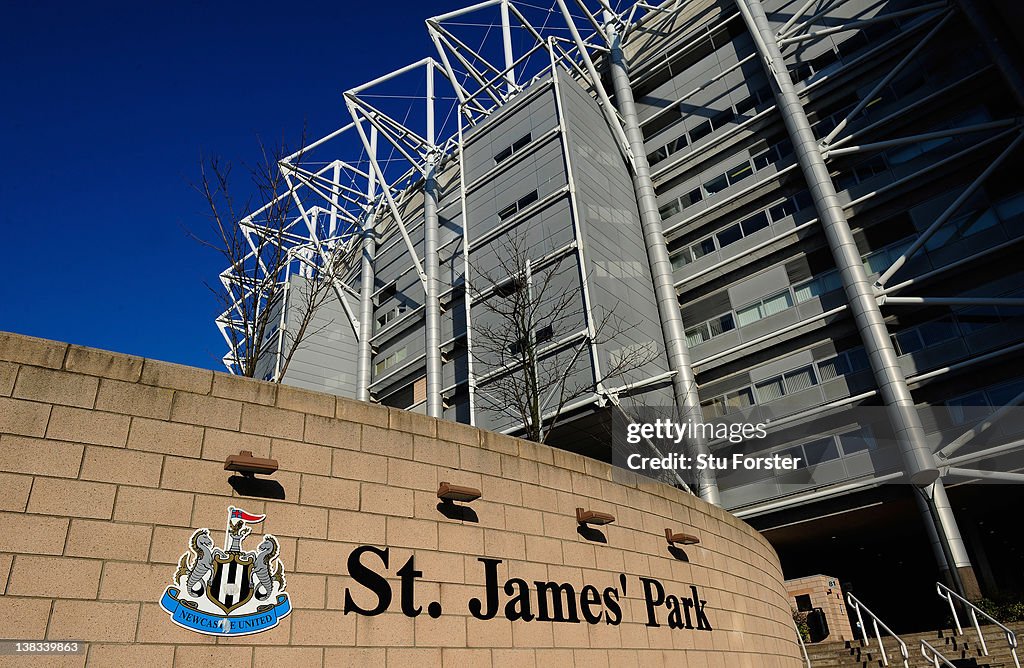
(798, 207)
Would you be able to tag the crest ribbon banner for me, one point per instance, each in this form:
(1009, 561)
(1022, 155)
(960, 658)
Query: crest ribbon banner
(218, 625)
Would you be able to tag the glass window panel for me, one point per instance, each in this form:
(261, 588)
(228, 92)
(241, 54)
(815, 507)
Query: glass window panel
(657, 156)
(937, 331)
(681, 259)
(777, 303)
(762, 160)
(739, 172)
(702, 248)
(729, 235)
(802, 200)
(1001, 396)
(527, 200)
(858, 359)
(800, 379)
(722, 118)
(701, 131)
(754, 223)
(831, 369)
(716, 185)
(697, 335)
(670, 209)
(522, 142)
(780, 211)
(908, 342)
(966, 409)
(745, 105)
(748, 315)
(978, 318)
(722, 324)
(822, 450)
(796, 453)
(740, 399)
(507, 212)
(805, 291)
(982, 222)
(678, 144)
(503, 155)
(692, 197)
(769, 390)
(855, 441)
(712, 408)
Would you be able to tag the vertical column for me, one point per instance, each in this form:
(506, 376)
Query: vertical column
(430, 262)
(684, 383)
(366, 282)
(918, 460)
(367, 277)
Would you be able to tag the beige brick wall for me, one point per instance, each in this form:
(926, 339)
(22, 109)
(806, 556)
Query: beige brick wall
(108, 462)
(828, 597)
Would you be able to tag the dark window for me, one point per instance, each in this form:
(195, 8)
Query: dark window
(516, 146)
(739, 172)
(545, 334)
(780, 211)
(822, 450)
(722, 118)
(757, 222)
(657, 156)
(527, 200)
(701, 131)
(802, 200)
(667, 119)
(704, 247)
(803, 603)
(729, 235)
(403, 398)
(716, 185)
(508, 211)
(692, 197)
(745, 105)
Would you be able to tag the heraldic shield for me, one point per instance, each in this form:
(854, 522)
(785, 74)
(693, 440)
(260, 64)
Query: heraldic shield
(230, 585)
(231, 591)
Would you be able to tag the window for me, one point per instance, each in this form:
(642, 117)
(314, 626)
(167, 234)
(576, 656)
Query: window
(390, 361)
(701, 131)
(670, 209)
(768, 306)
(692, 197)
(517, 146)
(729, 235)
(716, 185)
(702, 248)
(710, 329)
(800, 379)
(826, 282)
(968, 408)
(755, 223)
(739, 172)
(739, 399)
(542, 335)
(858, 440)
(518, 205)
(769, 390)
(383, 320)
(682, 258)
(668, 118)
(821, 450)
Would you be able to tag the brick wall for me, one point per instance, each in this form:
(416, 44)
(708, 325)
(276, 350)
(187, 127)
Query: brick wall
(108, 463)
(827, 594)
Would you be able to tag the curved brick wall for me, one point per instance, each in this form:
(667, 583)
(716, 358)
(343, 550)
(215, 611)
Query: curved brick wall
(108, 462)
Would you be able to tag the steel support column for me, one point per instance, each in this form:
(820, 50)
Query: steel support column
(366, 284)
(918, 461)
(684, 383)
(950, 553)
(431, 265)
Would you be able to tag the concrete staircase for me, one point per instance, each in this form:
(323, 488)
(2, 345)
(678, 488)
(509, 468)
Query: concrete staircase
(962, 650)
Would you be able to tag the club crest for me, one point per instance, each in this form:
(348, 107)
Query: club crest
(229, 592)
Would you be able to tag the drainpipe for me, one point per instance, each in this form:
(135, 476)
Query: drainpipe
(683, 382)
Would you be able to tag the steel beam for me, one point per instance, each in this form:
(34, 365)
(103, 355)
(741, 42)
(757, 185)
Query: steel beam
(919, 462)
(367, 277)
(431, 262)
(683, 382)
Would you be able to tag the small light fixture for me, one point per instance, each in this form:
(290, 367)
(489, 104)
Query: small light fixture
(449, 492)
(248, 465)
(680, 538)
(593, 517)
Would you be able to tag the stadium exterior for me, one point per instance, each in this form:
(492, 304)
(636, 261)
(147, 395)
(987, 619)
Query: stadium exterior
(800, 206)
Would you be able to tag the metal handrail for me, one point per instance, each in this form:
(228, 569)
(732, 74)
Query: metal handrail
(876, 623)
(803, 647)
(949, 595)
(935, 657)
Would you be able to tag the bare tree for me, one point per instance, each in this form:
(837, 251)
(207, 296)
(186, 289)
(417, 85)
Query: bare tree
(278, 276)
(527, 307)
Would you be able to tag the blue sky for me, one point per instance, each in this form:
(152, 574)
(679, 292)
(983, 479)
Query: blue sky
(107, 110)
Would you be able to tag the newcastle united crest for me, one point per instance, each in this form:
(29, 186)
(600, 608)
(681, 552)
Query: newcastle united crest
(229, 592)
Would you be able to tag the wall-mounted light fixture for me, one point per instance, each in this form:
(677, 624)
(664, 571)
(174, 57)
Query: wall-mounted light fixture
(248, 465)
(680, 538)
(593, 517)
(449, 492)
